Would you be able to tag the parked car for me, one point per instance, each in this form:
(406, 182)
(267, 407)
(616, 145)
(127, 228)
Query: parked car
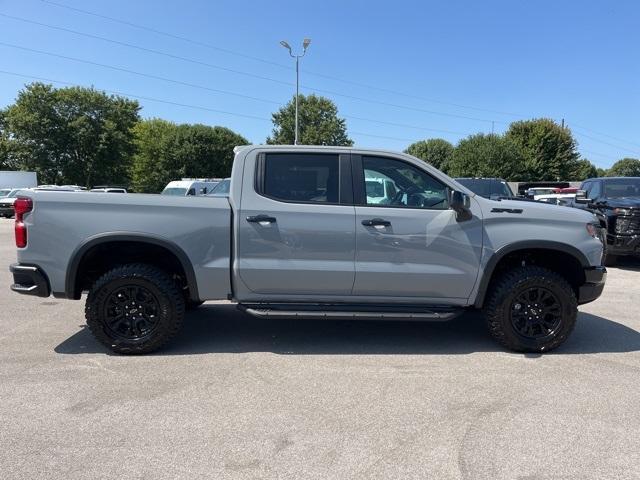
(556, 198)
(298, 237)
(190, 187)
(536, 192)
(7, 201)
(493, 188)
(221, 189)
(616, 202)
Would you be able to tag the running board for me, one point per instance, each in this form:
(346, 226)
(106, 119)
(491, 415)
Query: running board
(351, 312)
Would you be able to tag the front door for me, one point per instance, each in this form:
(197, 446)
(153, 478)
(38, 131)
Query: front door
(296, 226)
(408, 241)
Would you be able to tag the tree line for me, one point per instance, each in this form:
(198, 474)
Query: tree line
(83, 136)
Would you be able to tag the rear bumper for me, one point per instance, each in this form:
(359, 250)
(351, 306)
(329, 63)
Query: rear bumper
(29, 280)
(595, 279)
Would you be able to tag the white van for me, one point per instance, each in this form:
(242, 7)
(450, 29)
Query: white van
(190, 186)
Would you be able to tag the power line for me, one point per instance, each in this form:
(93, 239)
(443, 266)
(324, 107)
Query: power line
(166, 34)
(606, 143)
(203, 87)
(573, 125)
(200, 107)
(262, 60)
(141, 74)
(140, 97)
(239, 72)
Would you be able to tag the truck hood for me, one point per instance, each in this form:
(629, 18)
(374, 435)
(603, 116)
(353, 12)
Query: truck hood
(627, 202)
(536, 210)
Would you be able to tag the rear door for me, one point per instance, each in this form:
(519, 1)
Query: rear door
(408, 241)
(296, 225)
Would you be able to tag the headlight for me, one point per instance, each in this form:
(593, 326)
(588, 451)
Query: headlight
(621, 211)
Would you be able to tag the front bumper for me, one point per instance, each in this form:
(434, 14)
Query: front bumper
(595, 278)
(29, 280)
(623, 244)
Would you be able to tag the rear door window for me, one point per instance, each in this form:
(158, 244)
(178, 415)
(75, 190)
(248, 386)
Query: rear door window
(302, 178)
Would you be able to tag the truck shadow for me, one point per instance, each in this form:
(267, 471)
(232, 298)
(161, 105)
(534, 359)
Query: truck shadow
(628, 263)
(224, 329)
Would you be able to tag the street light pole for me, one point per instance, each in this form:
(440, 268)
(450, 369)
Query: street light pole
(305, 45)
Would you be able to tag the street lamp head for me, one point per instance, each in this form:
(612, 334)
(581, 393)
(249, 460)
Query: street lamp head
(305, 43)
(286, 45)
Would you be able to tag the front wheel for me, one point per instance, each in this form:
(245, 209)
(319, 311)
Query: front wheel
(134, 309)
(531, 309)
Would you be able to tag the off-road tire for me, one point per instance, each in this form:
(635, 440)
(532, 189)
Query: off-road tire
(503, 294)
(169, 310)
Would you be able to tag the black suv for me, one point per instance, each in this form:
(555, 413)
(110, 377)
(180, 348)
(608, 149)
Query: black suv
(493, 188)
(616, 202)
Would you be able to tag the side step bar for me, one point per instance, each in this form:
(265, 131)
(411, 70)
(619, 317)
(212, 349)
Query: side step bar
(351, 312)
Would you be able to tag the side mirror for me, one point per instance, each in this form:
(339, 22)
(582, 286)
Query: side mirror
(581, 197)
(461, 204)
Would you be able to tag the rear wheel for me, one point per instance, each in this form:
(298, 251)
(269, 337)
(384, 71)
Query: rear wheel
(134, 309)
(531, 309)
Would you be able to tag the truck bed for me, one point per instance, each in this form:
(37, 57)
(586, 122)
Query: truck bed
(63, 223)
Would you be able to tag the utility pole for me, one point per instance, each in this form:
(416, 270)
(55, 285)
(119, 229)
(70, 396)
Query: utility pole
(305, 44)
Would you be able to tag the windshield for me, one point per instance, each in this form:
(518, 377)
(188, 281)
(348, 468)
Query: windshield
(178, 192)
(622, 187)
(486, 187)
(4, 193)
(222, 187)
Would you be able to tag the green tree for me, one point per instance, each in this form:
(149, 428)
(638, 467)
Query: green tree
(151, 140)
(435, 151)
(602, 172)
(71, 135)
(585, 169)
(627, 167)
(319, 123)
(483, 155)
(4, 143)
(549, 150)
(166, 151)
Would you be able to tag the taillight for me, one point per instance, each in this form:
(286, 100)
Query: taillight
(21, 206)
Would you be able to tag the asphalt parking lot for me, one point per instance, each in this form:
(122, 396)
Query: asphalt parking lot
(236, 397)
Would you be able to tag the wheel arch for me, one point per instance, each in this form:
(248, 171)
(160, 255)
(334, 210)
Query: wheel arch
(73, 278)
(539, 252)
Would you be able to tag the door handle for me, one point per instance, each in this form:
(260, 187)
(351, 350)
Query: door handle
(261, 219)
(376, 222)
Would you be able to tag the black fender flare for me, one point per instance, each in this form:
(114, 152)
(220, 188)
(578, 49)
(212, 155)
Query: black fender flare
(80, 251)
(499, 254)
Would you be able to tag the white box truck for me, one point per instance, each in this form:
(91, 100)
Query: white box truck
(18, 179)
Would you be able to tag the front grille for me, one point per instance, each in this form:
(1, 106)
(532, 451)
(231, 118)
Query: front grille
(629, 224)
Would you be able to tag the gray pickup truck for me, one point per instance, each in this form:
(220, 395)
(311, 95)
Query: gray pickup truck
(312, 232)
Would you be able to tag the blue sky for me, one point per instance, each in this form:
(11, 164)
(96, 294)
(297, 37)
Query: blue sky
(433, 69)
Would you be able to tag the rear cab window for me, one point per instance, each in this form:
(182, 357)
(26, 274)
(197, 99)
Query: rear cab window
(300, 177)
